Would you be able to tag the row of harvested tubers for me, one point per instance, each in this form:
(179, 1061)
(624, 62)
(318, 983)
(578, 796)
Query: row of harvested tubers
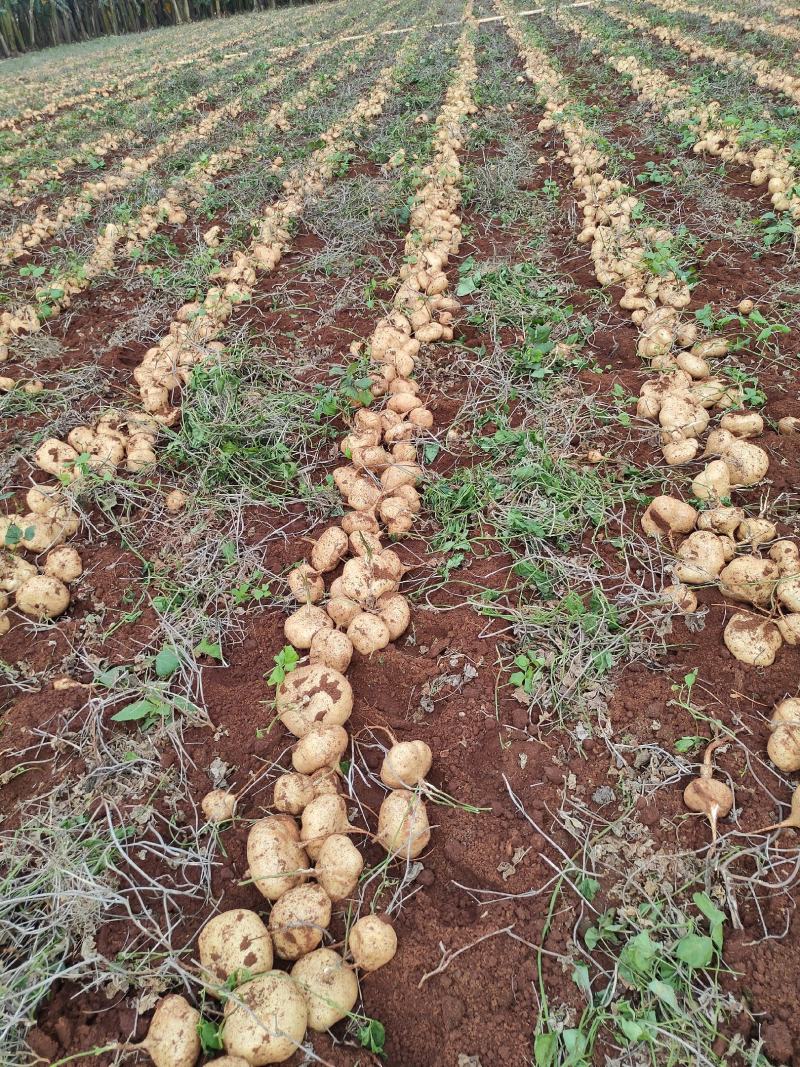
(769, 165)
(186, 190)
(748, 23)
(305, 869)
(681, 396)
(31, 235)
(763, 73)
(124, 439)
(64, 98)
(17, 193)
(169, 363)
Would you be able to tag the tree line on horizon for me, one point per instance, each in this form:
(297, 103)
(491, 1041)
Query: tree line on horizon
(27, 25)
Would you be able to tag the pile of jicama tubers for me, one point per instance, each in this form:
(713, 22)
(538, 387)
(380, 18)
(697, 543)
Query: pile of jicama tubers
(764, 74)
(687, 388)
(770, 165)
(719, 545)
(708, 555)
(304, 869)
(129, 439)
(117, 439)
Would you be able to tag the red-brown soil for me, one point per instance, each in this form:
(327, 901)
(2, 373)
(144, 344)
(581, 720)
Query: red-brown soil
(482, 1009)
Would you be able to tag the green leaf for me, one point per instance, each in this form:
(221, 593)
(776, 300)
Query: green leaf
(588, 888)
(631, 1029)
(373, 1036)
(592, 938)
(238, 977)
(545, 1049)
(696, 950)
(716, 918)
(167, 662)
(110, 677)
(183, 704)
(209, 648)
(285, 662)
(665, 993)
(576, 1044)
(138, 710)
(687, 744)
(580, 976)
(210, 1037)
(706, 905)
(637, 957)
(13, 535)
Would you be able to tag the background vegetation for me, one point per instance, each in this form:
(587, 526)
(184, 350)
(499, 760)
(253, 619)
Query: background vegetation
(26, 25)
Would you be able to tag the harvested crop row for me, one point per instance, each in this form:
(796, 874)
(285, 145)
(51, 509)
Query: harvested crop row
(32, 235)
(105, 91)
(364, 612)
(730, 18)
(128, 438)
(181, 194)
(17, 192)
(102, 61)
(714, 133)
(254, 49)
(104, 72)
(680, 399)
(762, 72)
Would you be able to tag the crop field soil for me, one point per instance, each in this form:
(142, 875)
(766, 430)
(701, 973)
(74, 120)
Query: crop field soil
(399, 548)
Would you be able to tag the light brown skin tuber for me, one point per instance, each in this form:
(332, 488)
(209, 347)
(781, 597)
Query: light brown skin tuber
(219, 805)
(792, 820)
(706, 795)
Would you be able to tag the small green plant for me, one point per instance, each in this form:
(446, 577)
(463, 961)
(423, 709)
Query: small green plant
(372, 1034)
(674, 256)
(684, 745)
(529, 669)
(752, 394)
(210, 1034)
(32, 270)
(775, 229)
(151, 710)
(664, 962)
(352, 390)
(469, 277)
(285, 662)
(655, 174)
(250, 591)
(369, 292)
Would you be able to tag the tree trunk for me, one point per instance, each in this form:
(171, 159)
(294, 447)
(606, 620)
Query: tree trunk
(79, 23)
